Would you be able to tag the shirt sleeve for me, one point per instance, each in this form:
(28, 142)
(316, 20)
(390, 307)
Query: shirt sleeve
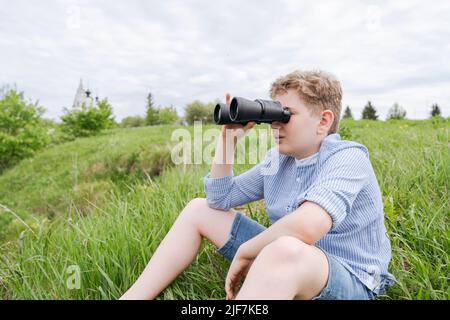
(340, 180)
(230, 191)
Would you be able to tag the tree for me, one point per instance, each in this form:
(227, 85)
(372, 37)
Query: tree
(199, 111)
(347, 113)
(22, 129)
(369, 112)
(396, 112)
(88, 119)
(152, 111)
(167, 115)
(435, 110)
(106, 113)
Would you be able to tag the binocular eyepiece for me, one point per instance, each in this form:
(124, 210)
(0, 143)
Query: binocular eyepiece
(242, 111)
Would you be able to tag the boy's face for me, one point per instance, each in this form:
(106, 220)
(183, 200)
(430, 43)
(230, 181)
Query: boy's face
(299, 137)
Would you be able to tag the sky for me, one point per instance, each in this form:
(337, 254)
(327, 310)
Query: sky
(181, 51)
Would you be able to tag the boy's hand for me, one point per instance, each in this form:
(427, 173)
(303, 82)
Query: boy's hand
(238, 270)
(235, 130)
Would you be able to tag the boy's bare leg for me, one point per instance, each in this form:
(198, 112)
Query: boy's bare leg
(180, 246)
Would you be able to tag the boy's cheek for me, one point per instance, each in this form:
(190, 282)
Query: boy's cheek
(296, 131)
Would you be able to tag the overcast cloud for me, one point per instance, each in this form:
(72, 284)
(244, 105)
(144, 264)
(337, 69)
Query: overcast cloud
(383, 51)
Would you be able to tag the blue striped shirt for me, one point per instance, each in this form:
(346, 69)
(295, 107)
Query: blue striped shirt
(339, 178)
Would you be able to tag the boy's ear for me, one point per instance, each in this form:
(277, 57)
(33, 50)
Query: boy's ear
(326, 121)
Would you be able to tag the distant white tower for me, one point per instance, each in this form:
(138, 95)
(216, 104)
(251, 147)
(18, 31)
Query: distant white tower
(82, 96)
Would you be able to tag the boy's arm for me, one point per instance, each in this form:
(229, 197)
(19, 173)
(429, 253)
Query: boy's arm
(229, 191)
(223, 191)
(224, 157)
(309, 223)
(324, 205)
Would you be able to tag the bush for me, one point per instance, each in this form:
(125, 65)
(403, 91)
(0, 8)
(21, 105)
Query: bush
(396, 112)
(167, 115)
(157, 115)
(198, 111)
(345, 132)
(88, 120)
(439, 121)
(133, 122)
(22, 130)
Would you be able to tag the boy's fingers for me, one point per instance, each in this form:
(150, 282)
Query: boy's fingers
(230, 285)
(228, 98)
(227, 287)
(229, 295)
(249, 125)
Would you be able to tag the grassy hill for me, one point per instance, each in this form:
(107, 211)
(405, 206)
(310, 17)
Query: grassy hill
(103, 204)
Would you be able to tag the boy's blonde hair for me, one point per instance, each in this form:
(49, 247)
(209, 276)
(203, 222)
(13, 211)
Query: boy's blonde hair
(319, 90)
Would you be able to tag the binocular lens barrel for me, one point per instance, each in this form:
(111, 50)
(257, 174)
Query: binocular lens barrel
(243, 110)
(222, 114)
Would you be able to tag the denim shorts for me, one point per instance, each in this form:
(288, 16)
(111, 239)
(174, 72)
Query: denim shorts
(341, 283)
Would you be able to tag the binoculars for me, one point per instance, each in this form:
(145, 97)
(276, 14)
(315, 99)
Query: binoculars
(242, 111)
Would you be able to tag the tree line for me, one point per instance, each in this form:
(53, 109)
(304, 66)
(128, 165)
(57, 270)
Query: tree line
(23, 130)
(194, 111)
(396, 112)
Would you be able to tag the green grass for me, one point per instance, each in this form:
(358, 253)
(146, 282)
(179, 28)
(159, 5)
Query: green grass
(103, 204)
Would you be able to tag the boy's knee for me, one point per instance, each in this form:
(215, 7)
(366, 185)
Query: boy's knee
(194, 207)
(201, 205)
(285, 249)
(197, 203)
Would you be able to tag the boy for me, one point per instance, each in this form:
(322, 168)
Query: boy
(327, 239)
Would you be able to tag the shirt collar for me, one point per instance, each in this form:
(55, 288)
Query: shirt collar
(307, 161)
(314, 157)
